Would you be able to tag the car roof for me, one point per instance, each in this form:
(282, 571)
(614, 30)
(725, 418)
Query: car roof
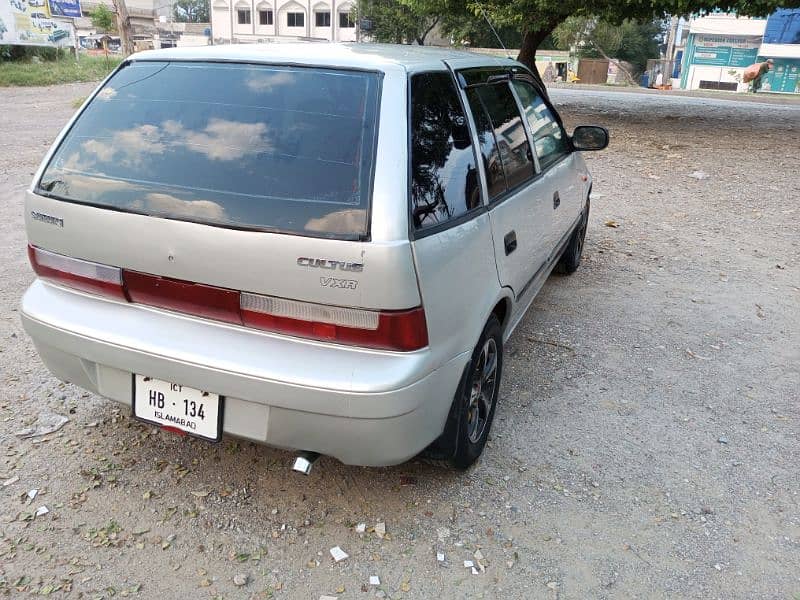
(350, 55)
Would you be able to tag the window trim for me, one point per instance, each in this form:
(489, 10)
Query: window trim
(62, 136)
(418, 234)
(350, 19)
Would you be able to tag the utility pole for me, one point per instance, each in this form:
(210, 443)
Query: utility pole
(124, 27)
(671, 41)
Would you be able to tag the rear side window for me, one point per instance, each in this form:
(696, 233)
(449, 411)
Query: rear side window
(444, 179)
(250, 146)
(548, 137)
(495, 178)
(509, 132)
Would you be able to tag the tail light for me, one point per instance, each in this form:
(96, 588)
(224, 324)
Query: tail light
(389, 330)
(402, 330)
(80, 274)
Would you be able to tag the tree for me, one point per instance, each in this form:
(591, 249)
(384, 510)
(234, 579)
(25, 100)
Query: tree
(102, 18)
(537, 19)
(632, 41)
(396, 22)
(190, 11)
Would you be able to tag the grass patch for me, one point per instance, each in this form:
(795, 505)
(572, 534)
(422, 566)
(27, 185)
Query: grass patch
(52, 72)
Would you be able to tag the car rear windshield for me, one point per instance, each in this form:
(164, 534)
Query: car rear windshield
(263, 147)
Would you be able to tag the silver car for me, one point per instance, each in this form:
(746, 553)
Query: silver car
(312, 246)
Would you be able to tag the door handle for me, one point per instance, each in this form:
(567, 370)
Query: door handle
(556, 200)
(510, 241)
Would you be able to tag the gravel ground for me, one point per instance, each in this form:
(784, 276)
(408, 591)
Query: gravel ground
(646, 442)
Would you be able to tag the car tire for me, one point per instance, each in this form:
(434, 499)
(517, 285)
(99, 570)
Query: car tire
(472, 412)
(571, 257)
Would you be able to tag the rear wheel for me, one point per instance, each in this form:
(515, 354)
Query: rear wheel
(473, 409)
(571, 257)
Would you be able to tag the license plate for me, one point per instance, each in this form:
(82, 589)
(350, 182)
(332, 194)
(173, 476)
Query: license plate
(177, 406)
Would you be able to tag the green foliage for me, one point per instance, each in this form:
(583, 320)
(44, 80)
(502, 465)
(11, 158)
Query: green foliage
(399, 22)
(65, 70)
(191, 11)
(633, 41)
(471, 30)
(103, 18)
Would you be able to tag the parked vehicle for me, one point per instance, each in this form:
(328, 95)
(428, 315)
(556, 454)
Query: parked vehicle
(36, 2)
(318, 247)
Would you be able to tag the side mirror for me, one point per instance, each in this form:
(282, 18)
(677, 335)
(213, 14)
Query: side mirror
(590, 137)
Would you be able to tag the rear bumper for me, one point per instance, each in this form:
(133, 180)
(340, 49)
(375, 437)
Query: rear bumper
(362, 407)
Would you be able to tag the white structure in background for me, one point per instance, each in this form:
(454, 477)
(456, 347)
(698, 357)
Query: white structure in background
(719, 48)
(249, 21)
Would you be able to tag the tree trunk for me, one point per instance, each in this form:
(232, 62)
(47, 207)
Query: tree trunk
(124, 27)
(530, 43)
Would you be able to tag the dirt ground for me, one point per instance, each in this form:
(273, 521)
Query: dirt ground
(646, 443)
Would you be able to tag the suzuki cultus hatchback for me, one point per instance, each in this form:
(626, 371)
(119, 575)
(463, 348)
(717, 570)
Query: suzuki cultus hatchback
(313, 246)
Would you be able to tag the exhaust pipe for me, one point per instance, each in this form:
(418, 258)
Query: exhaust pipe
(304, 461)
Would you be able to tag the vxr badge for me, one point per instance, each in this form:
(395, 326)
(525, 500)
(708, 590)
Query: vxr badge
(348, 284)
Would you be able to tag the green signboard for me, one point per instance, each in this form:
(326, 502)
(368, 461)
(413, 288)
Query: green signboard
(783, 77)
(724, 56)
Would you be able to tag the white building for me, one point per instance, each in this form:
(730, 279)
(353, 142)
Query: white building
(719, 48)
(243, 21)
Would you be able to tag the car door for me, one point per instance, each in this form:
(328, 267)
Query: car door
(560, 182)
(519, 213)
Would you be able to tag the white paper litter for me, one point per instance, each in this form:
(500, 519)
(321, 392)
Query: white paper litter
(338, 554)
(42, 510)
(440, 556)
(380, 529)
(361, 528)
(374, 580)
(475, 571)
(468, 564)
(328, 598)
(32, 494)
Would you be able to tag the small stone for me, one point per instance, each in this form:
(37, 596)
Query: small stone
(552, 585)
(478, 555)
(722, 439)
(718, 567)
(361, 528)
(239, 580)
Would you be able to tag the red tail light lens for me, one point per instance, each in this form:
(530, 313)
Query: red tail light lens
(402, 330)
(76, 273)
(183, 296)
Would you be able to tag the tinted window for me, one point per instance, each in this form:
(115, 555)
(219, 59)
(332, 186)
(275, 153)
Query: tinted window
(322, 19)
(265, 147)
(495, 179)
(548, 137)
(509, 132)
(444, 180)
(243, 17)
(295, 19)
